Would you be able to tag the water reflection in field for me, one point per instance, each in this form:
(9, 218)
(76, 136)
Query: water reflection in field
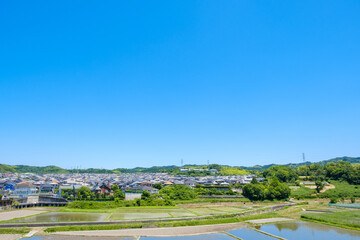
(216, 236)
(287, 230)
(309, 231)
(64, 217)
(77, 238)
(248, 234)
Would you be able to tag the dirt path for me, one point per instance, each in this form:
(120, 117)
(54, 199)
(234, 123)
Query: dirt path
(159, 232)
(9, 236)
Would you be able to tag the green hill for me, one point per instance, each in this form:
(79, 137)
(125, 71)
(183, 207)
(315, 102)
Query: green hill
(294, 165)
(40, 170)
(6, 168)
(225, 170)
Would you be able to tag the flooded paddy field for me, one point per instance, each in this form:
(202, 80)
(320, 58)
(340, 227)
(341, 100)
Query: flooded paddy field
(131, 216)
(214, 236)
(77, 238)
(309, 231)
(64, 217)
(8, 215)
(284, 230)
(126, 213)
(215, 210)
(147, 213)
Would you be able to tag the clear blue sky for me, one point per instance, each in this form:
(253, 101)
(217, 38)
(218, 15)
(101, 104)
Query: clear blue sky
(112, 84)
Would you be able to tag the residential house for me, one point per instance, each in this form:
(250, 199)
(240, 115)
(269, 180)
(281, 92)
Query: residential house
(23, 189)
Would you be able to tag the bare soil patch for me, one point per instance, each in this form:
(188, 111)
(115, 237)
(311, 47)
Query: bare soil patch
(9, 236)
(8, 215)
(327, 187)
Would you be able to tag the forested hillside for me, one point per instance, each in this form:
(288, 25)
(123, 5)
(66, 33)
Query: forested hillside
(6, 168)
(222, 170)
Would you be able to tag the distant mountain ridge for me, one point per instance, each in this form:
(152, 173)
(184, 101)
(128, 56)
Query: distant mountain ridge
(172, 168)
(352, 160)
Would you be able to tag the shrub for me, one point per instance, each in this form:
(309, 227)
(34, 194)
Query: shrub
(178, 192)
(119, 203)
(254, 191)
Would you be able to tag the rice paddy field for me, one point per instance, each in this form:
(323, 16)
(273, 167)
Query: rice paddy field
(317, 210)
(176, 212)
(64, 217)
(129, 213)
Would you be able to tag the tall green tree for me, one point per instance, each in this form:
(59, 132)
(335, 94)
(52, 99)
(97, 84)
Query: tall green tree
(83, 192)
(283, 173)
(254, 191)
(271, 189)
(178, 192)
(119, 194)
(158, 186)
(114, 187)
(145, 195)
(319, 185)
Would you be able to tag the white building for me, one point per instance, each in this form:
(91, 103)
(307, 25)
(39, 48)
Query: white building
(24, 189)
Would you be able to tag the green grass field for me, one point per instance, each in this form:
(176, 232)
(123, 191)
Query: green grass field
(301, 192)
(348, 218)
(342, 190)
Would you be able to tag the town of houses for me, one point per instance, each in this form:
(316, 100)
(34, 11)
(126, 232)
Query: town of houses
(27, 187)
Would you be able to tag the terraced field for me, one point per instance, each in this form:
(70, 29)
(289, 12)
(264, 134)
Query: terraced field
(147, 213)
(130, 213)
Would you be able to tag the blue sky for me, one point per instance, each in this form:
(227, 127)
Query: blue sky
(143, 83)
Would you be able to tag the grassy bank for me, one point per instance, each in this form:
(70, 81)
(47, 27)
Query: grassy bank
(117, 204)
(217, 220)
(23, 230)
(93, 227)
(205, 221)
(207, 200)
(110, 210)
(346, 219)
